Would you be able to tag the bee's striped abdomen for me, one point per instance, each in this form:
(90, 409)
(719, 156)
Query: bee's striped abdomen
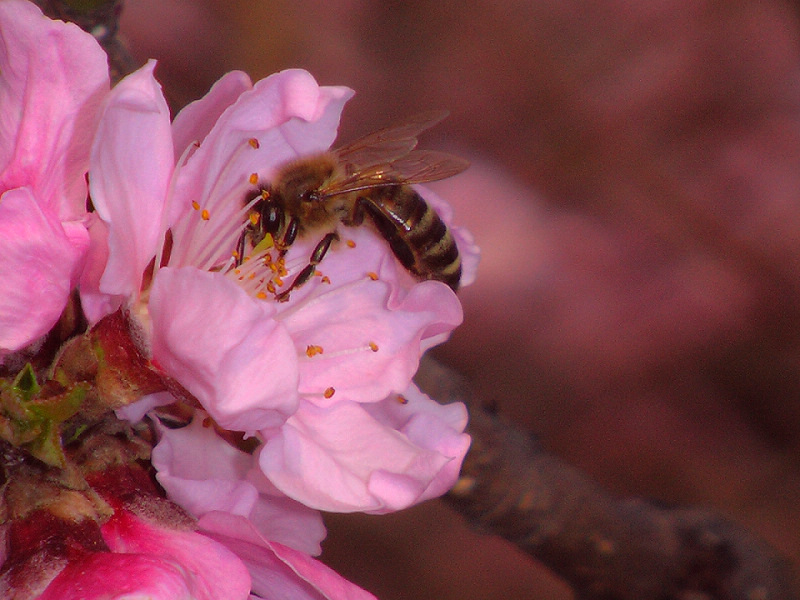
(417, 235)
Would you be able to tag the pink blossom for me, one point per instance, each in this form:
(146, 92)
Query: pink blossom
(149, 561)
(53, 77)
(316, 363)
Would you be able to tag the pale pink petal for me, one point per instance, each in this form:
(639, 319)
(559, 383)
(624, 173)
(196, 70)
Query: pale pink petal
(278, 572)
(203, 473)
(40, 264)
(341, 459)
(131, 165)
(210, 569)
(195, 120)
(371, 340)
(224, 347)
(429, 425)
(53, 77)
(136, 411)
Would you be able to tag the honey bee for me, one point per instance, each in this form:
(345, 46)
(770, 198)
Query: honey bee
(365, 182)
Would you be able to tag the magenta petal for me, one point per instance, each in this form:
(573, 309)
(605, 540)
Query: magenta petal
(107, 576)
(131, 165)
(224, 347)
(39, 263)
(211, 571)
(317, 460)
(53, 77)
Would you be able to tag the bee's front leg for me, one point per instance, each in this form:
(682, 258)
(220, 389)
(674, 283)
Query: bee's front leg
(320, 250)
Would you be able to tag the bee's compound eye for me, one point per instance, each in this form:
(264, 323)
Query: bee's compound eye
(271, 219)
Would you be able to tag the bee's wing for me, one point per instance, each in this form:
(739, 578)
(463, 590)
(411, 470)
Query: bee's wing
(418, 166)
(422, 166)
(388, 144)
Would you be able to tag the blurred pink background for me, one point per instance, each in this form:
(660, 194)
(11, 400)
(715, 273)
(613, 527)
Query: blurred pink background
(636, 192)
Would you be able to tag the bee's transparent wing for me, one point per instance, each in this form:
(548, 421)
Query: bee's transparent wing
(388, 144)
(419, 166)
(422, 166)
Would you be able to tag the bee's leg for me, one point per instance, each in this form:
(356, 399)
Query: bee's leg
(356, 217)
(289, 236)
(239, 255)
(320, 250)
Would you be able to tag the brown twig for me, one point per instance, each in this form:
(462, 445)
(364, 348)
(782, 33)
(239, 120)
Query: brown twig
(605, 547)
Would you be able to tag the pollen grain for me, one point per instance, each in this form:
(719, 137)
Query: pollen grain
(313, 350)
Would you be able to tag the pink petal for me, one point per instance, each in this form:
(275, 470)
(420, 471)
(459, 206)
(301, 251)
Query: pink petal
(278, 572)
(371, 341)
(39, 264)
(196, 119)
(136, 411)
(224, 347)
(53, 77)
(131, 165)
(429, 425)
(203, 473)
(96, 304)
(319, 460)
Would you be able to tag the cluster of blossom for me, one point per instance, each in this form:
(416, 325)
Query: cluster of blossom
(322, 382)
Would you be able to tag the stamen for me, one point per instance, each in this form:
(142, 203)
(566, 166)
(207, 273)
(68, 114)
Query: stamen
(313, 350)
(350, 244)
(402, 399)
(162, 234)
(254, 143)
(208, 248)
(205, 215)
(372, 275)
(253, 179)
(373, 346)
(328, 393)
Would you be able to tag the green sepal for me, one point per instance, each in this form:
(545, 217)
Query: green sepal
(60, 407)
(25, 384)
(47, 445)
